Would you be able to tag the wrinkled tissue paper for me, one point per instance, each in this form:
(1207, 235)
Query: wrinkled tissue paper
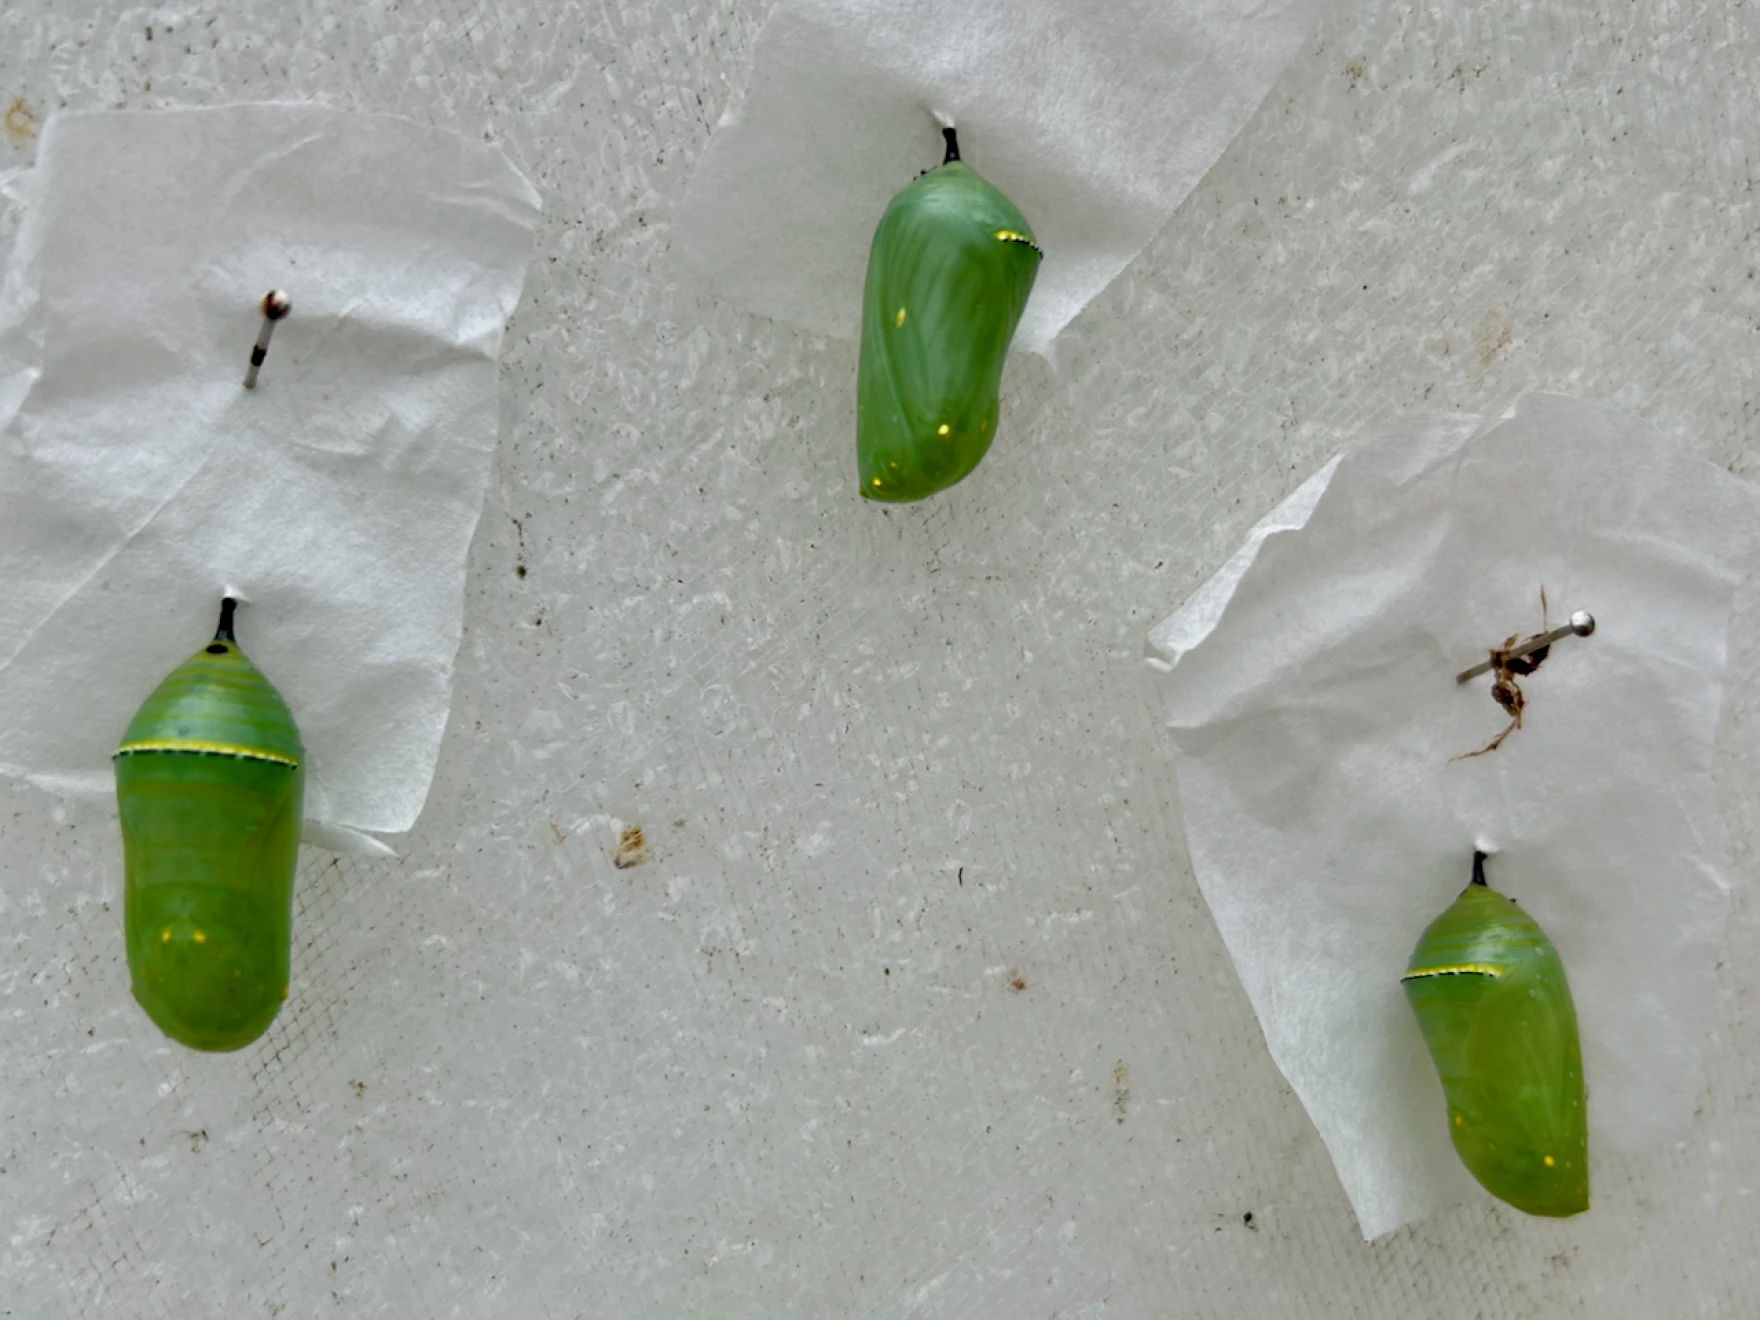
(139, 482)
(1094, 117)
(1310, 691)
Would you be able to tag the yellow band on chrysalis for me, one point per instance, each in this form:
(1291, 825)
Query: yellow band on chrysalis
(1459, 969)
(207, 749)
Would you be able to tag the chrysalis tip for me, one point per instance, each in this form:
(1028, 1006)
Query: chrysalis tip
(952, 140)
(1479, 868)
(228, 607)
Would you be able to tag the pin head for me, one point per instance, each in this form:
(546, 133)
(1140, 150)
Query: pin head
(1582, 623)
(276, 304)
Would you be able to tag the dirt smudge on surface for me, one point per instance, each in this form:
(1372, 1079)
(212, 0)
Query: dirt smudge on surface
(1494, 336)
(20, 121)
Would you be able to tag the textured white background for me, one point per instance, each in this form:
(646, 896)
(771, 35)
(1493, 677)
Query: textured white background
(915, 1009)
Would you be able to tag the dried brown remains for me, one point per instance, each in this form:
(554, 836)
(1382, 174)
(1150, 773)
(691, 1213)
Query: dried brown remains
(1505, 668)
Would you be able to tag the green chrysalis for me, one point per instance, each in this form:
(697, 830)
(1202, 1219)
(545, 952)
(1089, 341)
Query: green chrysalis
(948, 278)
(210, 781)
(1492, 1001)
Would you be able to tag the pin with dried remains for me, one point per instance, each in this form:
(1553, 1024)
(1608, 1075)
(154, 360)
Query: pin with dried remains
(1520, 656)
(1526, 657)
(276, 304)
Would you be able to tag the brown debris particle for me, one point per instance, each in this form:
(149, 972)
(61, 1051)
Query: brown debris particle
(20, 121)
(632, 848)
(1016, 982)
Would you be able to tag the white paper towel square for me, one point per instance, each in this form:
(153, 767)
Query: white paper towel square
(1310, 691)
(1094, 117)
(139, 481)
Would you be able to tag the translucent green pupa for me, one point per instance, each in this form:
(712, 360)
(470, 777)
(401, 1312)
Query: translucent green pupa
(210, 783)
(948, 277)
(1491, 998)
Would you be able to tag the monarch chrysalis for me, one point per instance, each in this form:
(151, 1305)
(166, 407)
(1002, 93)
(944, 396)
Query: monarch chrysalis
(948, 277)
(210, 782)
(1491, 999)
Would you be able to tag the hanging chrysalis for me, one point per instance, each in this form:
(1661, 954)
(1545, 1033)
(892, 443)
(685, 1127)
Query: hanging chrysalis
(210, 782)
(1491, 999)
(948, 278)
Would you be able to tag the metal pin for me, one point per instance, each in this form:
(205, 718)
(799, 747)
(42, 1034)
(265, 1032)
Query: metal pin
(1581, 625)
(276, 305)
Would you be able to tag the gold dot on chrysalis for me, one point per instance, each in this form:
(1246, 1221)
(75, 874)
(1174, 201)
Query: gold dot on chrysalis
(1547, 1161)
(899, 319)
(201, 937)
(1458, 1120)
(984, 425)
(876, 481)
(165, 935)
(942, 429)
(284, 992)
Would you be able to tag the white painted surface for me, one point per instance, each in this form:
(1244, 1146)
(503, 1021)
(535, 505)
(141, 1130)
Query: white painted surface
(890, 763)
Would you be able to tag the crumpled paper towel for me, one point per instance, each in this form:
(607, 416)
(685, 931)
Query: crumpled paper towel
(1310, 690)
(1095, 117)
(139, 482)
